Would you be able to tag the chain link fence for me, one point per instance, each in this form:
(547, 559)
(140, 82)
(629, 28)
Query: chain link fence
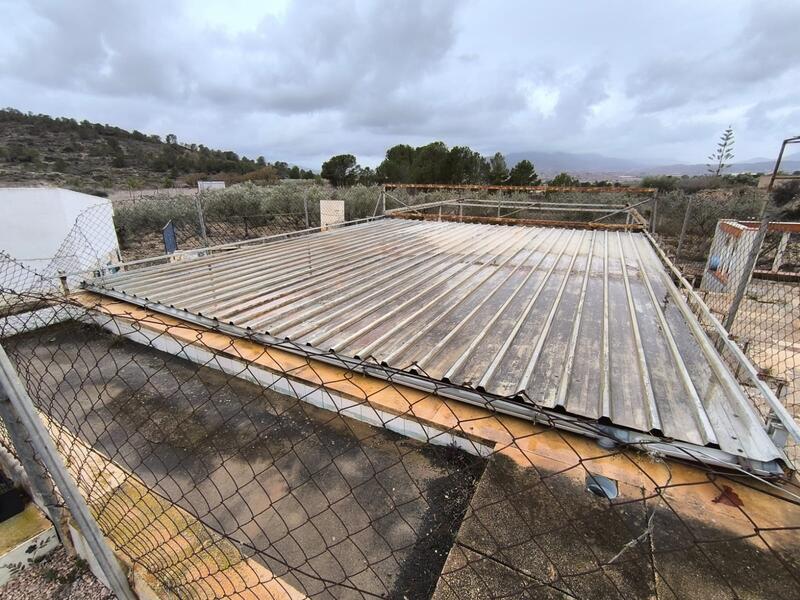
(206, 219)
(749, 284)
(233, 467)
(239, 213)
(752, 285)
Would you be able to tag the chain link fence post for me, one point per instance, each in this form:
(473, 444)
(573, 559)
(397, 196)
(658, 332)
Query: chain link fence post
(654, 214)
(201, 220)
(12, 389)
(684, 227)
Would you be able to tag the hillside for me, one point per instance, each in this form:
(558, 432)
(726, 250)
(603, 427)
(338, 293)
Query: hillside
(43, 150)
(39, 149)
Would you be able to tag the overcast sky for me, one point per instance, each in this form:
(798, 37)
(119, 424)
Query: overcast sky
(299, 81)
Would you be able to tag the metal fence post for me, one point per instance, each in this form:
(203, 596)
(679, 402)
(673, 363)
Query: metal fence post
(684, 227)
(38, 483)
(305, 208)
(45, 448)
(201, 220)
(654, 214)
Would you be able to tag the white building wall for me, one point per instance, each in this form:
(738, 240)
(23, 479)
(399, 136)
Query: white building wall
(50, 228)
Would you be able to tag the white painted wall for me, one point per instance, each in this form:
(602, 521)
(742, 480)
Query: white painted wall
(210, 185)
(331, 212)
(38, 225)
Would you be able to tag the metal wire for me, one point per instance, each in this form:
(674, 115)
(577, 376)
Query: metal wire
(224, 465)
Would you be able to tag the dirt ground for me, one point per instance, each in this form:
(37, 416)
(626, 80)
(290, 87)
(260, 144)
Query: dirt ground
(334, 507)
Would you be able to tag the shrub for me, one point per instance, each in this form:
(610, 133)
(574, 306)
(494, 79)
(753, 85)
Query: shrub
(17, 153)
(663, 183)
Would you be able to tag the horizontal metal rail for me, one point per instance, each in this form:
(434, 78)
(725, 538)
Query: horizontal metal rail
(516, 221)
(775, 404)
(483, 203)
(234, 245)
(520, 188)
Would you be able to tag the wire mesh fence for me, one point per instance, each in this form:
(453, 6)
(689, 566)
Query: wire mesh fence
(711, 235)
(751, 284)
(685, 223)
(240, 213)
(231, 466)
(204, 220)
(257, 471)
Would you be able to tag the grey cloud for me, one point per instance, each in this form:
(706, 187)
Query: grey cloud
(361, 75)
(318, 58)
(762, 51)
(111, 54)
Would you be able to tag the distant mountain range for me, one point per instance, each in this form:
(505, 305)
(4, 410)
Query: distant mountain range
(598, 166)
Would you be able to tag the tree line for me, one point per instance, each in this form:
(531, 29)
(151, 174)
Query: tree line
(436, 163)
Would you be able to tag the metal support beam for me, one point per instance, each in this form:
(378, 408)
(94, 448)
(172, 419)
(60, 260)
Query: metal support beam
(684, 227)
(37, 482)
(44, 447)
(654, 215)
(623, 209)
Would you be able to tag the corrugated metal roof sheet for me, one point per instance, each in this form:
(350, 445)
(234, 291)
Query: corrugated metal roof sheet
(587, 322)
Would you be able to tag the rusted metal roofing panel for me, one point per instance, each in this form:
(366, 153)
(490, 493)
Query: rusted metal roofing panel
(580, 321)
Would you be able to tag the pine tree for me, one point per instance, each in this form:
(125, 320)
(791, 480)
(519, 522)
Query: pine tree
(721, 156)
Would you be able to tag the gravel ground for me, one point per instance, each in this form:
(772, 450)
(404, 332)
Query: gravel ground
(57, 576)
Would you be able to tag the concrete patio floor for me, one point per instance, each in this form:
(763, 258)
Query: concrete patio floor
(332, 506)
(313, 495)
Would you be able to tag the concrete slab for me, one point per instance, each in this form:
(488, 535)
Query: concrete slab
(551, 532)
(24, 539)
(555, 536)
(693, 559)
(331, 506)
(553, 464)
